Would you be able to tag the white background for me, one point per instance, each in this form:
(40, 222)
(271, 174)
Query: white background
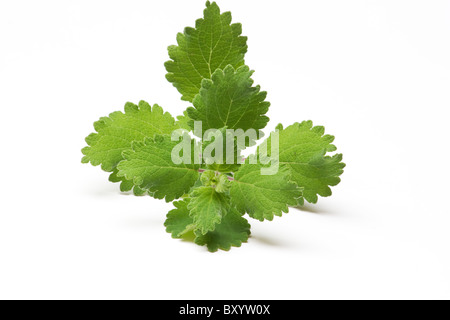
(375, 73)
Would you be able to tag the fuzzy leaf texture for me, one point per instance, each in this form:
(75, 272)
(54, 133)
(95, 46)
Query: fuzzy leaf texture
(116, 133)
(183, 121)
(232, 231)
(216, 144)
(149, 165)
(207, 207)
(178, 220)
(229, 100)
(263, 196)
(126, 185)
(213, 43)
(303, 149)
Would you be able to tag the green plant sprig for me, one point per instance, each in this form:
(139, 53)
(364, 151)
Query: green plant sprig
(207, 67)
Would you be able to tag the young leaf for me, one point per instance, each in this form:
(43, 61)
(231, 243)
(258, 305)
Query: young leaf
(116, 133)
(302, 149)
(214, 43)
(150, 166)
(232, 231)
(207, 207)
(263, 196)
(229, 100)
(216, 180)
(178, 221)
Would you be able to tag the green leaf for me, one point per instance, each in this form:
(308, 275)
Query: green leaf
(218, 141)
(178, 221)
(149, 164)
(183, 121)
(198, 183)
(116, 133)
(214, 43)
(216, 180)
(232, 231)
(126, 185)
(303, 149)
(263, 196)
(207, 207)
(229, 100)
